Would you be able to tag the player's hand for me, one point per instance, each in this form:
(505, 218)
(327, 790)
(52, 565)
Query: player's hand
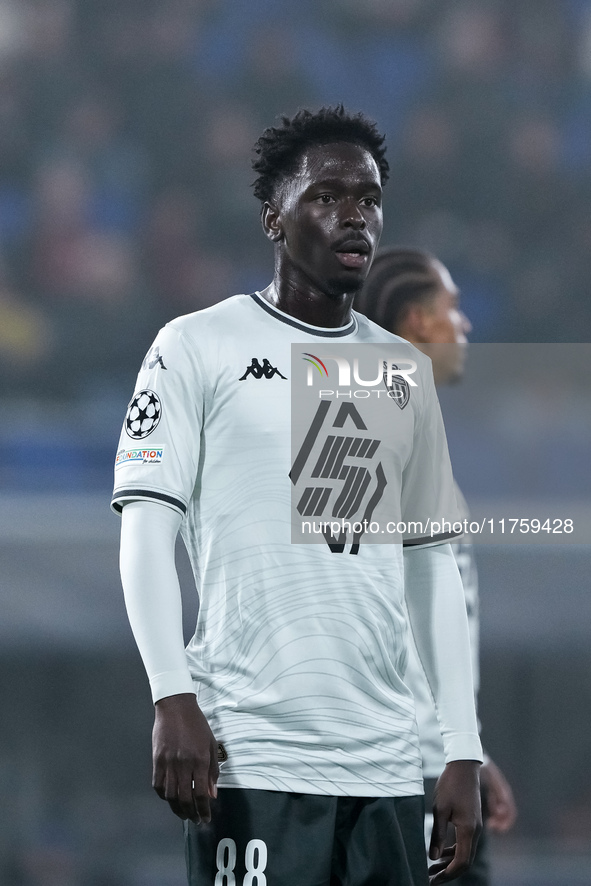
(456, 802)
(501, 807)
(184, 755)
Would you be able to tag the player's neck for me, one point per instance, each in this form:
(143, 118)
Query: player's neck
(309, 305)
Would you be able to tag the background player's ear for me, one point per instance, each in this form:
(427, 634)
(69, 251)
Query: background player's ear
(270, 220)
(414, 324)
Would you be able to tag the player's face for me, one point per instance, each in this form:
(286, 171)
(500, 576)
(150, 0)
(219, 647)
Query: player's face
(330, 219)
(446, 324)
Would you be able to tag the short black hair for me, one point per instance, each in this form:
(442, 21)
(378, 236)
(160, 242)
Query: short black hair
(399, 277)
(280, 147)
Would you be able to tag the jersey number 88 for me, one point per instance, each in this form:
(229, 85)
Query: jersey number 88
(255, 860)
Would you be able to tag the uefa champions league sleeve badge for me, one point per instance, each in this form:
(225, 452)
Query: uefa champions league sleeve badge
(143, 414)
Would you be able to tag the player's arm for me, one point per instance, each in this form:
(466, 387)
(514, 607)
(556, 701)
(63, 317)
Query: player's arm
(184, 749)
(502, 809)
(437, 612)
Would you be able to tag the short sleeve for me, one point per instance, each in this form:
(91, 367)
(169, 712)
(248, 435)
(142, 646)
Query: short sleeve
(430, 507)
(158, 454)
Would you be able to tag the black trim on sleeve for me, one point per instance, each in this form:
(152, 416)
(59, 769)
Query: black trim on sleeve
(430, 539)
(313, 330)
(145, 493)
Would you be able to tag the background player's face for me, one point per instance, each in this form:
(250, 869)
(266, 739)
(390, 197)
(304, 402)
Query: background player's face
(445, 323)
(330, 219)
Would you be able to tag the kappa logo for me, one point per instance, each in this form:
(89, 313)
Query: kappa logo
(265, 371)
(152, 359)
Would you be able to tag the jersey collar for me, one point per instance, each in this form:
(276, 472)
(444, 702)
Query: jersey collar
(320, 331)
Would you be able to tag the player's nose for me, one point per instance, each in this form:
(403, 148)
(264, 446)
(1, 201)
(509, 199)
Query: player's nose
(352, 216)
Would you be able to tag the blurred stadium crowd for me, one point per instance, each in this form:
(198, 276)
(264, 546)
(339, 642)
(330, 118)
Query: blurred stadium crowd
(125, 135)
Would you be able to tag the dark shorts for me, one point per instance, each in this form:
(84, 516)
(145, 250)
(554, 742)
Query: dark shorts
(272, 838)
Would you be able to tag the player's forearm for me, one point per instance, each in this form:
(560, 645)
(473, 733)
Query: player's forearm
(152, 594)
(439, 623)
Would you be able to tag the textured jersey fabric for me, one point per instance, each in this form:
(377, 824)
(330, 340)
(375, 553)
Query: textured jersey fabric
(299, 650)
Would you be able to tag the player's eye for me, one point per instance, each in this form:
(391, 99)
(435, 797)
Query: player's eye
(325, 199)
(369, 201)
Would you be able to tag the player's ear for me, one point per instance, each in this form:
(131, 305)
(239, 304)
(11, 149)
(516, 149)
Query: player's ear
(414, 324)
(271, 222)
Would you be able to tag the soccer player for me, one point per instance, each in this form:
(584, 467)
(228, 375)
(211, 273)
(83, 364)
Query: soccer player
(411, 293)
(284, 734)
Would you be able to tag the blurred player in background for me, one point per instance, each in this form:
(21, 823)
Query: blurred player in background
(411, 293)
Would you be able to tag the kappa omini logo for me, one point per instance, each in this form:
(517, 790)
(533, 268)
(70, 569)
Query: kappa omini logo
(143, 414)
(153, 358)
(261, 371)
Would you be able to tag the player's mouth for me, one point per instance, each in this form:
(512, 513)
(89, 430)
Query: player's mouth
(353, 253)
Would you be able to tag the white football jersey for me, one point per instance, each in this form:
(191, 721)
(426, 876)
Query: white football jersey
(299, 651)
